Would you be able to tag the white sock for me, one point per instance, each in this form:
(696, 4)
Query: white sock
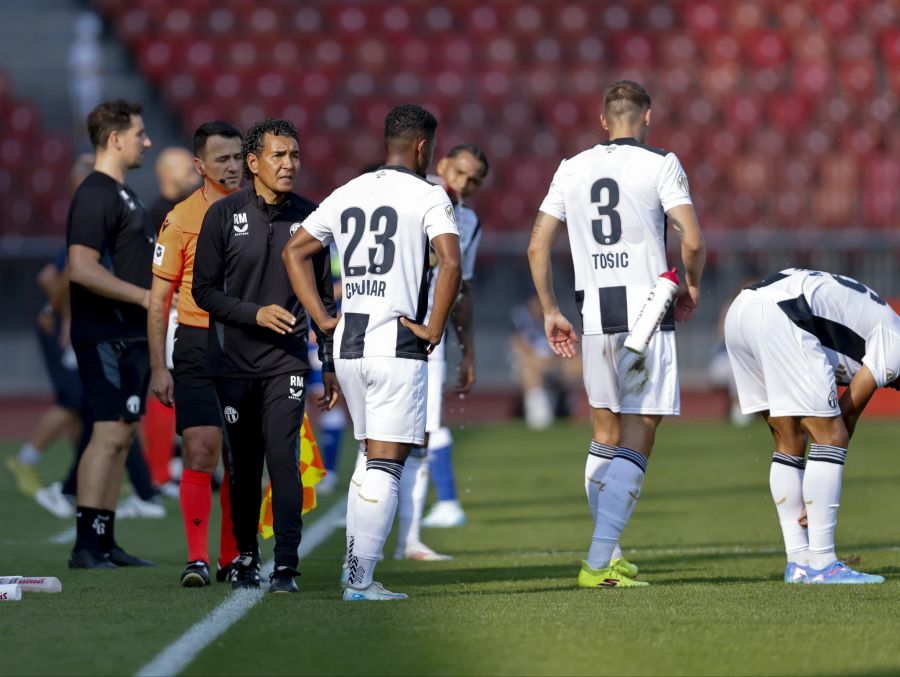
(28, 455)
(822, 495)
(376, 503)
(598, 460)
(786, 484)
(411, 504)
(621, 491)
(359, 473)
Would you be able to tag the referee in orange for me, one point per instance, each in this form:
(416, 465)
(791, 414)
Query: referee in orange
(218, 159)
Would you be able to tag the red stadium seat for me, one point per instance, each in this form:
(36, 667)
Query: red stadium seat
(785, 78)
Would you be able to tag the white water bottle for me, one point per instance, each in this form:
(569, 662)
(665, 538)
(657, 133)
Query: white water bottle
(10, 593)
(33, 583)
(652, 313)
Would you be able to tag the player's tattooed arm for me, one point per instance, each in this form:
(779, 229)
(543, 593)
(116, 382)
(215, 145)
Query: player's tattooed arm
(693, 254)
(560, 333)
(462, 317)
(446, 289)
(297, 257)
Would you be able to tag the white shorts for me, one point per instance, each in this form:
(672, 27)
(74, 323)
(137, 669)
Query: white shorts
(437, 374)
(623, 382)
(387, 397)
(777, 366)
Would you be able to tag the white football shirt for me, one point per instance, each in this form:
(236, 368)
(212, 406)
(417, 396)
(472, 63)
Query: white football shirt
(382, 223)
(469, 238)
(854, 325)
(613, 198)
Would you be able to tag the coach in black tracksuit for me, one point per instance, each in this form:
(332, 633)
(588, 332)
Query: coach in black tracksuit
(257, 350)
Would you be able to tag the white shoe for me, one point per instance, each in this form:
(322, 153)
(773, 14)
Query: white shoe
(445, 515)
(133, 507)
(53, 500)
(374, 593)
(345, 575)
(171, 489)
(327, 484)
(538, 410)
(421, 553)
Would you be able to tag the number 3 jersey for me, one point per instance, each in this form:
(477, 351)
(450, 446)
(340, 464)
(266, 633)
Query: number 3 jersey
(382, 223)
(613, 198)
(854, 325)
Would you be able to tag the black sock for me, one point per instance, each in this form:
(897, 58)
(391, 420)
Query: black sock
(88, 526)
(108, 537)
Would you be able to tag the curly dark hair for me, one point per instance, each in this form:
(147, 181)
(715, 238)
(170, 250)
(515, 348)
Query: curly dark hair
(253, 139)
(407, 122)
(109, 117)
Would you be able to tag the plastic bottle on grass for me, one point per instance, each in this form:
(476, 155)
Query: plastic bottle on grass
(10, 593)
(33, 583)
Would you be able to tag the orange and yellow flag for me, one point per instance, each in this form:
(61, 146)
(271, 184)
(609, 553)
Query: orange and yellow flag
(312, 470)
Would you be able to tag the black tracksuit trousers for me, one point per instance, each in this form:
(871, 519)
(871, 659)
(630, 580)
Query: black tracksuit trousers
(263, 417)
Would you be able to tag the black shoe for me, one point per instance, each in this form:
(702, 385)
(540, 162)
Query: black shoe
(225, 573)
(246, 571)
(195, 575)
(282, 580)
(121, 558)
(85, 559)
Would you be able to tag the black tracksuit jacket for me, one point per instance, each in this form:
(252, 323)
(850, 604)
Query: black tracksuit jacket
(238, 269)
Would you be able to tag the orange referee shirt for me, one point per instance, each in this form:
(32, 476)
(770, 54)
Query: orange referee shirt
(173, 259)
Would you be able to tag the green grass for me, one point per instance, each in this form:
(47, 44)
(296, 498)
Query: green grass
(704, 534)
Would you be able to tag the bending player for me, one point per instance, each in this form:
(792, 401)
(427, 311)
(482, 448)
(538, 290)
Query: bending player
(382, 223)
(218, 159)
(792, 339)
(462, 171)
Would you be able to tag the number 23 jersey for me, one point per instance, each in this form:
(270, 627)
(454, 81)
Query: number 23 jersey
(613, 198)
(381, 223)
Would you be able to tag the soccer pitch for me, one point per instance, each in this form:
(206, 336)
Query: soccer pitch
(704, 534)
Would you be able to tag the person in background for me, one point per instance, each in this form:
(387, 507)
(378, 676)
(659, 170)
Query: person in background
(544, 379)
(110, 246)
(217, 159)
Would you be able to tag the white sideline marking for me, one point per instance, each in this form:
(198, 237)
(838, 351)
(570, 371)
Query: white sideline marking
(178, 655)
(67, 535)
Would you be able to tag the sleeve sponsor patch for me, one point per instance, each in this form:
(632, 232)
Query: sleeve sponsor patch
(158, 254)
(450, 213)
(683, 183)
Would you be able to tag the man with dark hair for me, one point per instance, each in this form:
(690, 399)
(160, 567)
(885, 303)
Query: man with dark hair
(218, 160)
(615, 200)
(110, 244)
(382, 223)
(257, 346)
(461, 172)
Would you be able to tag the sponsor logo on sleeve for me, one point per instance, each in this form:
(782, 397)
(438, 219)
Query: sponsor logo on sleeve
(450, 213)
(158, 254)
(294, 228)
(683, 183)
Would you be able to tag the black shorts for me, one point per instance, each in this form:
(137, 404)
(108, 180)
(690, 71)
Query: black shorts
(62, 368)
(115, 376)
(196, 403)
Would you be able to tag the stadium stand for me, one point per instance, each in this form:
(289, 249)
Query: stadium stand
(34, 168)
(753, 96)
